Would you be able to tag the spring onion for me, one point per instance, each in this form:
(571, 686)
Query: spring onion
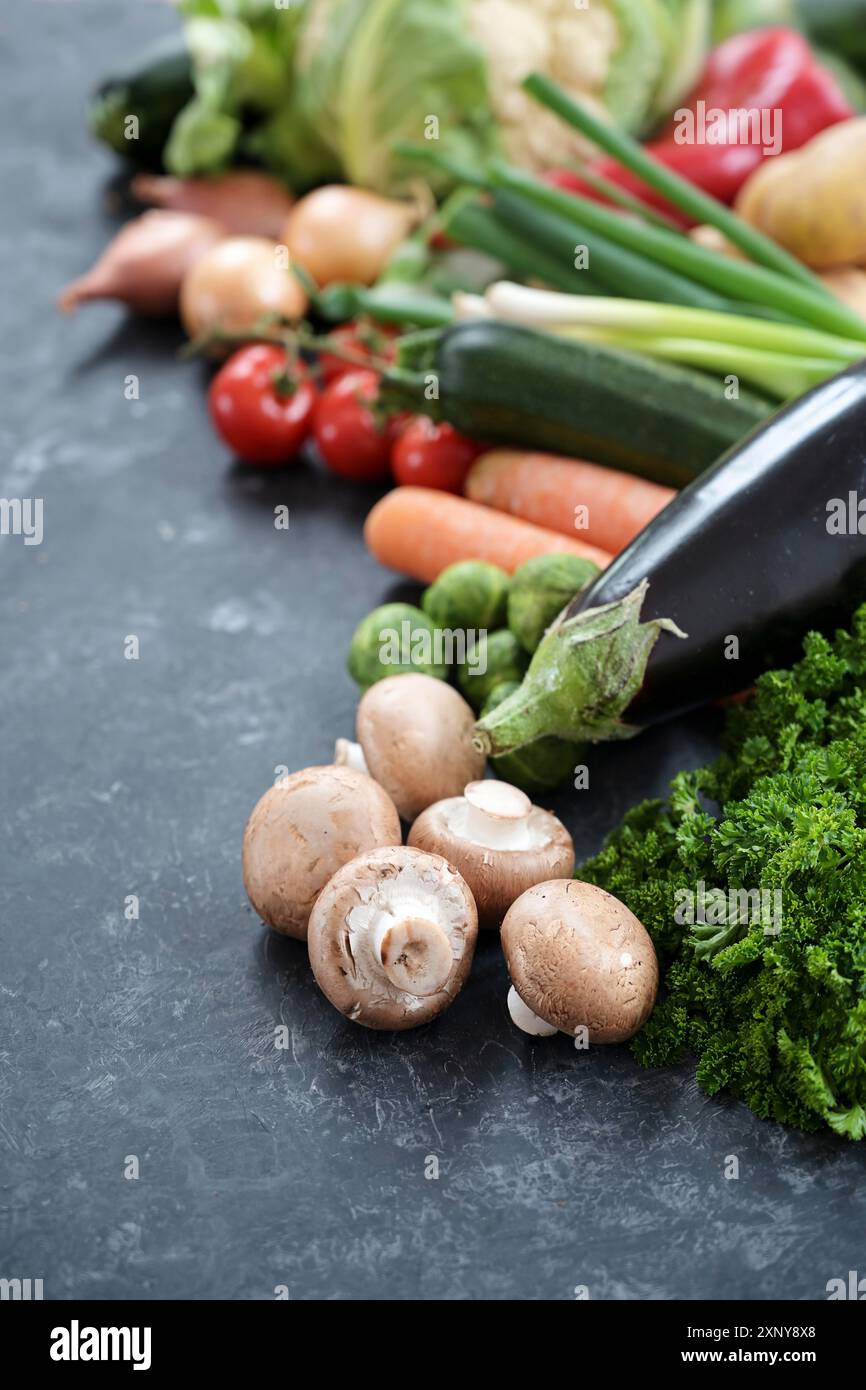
(780, 360)
(547, 309)
(777, 374)
(614, 268)
(684, 195)
(627, 201)
(469, 221)
(740, 280)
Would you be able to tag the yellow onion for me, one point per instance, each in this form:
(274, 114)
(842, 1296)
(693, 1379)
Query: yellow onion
(238, 283)
(342, 233)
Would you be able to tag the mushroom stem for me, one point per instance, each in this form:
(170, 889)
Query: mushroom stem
(497, 815)
(415, 955)
(349, 754)
(526, 1020)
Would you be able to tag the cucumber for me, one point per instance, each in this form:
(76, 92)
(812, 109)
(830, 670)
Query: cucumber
(513, 386)
(155, 89)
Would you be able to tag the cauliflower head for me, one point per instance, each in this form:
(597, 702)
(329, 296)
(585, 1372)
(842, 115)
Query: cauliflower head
(615, 55)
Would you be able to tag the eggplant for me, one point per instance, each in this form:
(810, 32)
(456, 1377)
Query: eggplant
(767, 544)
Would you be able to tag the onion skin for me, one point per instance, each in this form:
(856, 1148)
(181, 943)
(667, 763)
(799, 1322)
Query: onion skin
(246, 202)
(235, 285)
(340, 233)
(145, 263)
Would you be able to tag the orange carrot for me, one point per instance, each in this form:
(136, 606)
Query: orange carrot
(419, 532)
(600, 505)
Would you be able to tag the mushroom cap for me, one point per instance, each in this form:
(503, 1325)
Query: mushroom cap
(496, 876)
(579, 958)
(399, 886)
(416, 733)
(300, 833)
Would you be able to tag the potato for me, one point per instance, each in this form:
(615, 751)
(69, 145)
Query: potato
(813, 200)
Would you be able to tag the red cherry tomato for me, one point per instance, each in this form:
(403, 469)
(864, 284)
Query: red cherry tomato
(362, 340)
(253, 413)
(427, 454)
(351, 440)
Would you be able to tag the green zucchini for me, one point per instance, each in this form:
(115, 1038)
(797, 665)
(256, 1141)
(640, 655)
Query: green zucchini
(154, 89)
(517, 387)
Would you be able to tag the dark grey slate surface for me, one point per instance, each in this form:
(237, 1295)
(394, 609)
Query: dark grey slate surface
(155, 1038)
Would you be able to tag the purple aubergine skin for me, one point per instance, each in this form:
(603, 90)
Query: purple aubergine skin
(744, 551)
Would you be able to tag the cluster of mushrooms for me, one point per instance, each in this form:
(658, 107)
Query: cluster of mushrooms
(391, 928)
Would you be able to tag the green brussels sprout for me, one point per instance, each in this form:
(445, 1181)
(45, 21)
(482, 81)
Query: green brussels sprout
(540, 589)
(391, 640)
(470, 594)
(538, 766)
(496, 657)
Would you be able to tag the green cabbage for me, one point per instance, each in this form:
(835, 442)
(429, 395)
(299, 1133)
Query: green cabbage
(371, 72)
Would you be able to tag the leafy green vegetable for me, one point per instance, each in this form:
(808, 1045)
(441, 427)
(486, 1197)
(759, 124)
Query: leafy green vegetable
(374, 71)
(241, 53)
(774, 1008)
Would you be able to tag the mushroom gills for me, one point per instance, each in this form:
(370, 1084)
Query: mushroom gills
(392, 936)
(402, 931)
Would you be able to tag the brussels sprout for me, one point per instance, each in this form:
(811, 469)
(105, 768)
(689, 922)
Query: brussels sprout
(538, 766)
(470, 594)
(540, 589)
(496, 657)
(392, 639)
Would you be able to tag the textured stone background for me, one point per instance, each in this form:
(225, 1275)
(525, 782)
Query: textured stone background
(155, 1038)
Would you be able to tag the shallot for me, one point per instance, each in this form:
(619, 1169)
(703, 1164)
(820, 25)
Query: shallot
(144, 264)
(246, 202)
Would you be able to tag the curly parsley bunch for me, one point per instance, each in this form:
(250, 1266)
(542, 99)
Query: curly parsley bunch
(776, 1016)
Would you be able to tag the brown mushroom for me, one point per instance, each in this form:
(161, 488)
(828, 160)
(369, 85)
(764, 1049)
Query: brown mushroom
(416, 733)
(300, 833)
(499, 842)
(578, 959)
(392, 937)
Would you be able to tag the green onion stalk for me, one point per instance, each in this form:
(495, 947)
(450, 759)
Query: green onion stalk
(784, 360)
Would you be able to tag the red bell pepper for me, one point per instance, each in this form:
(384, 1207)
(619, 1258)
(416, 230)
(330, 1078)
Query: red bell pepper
(771, 70)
